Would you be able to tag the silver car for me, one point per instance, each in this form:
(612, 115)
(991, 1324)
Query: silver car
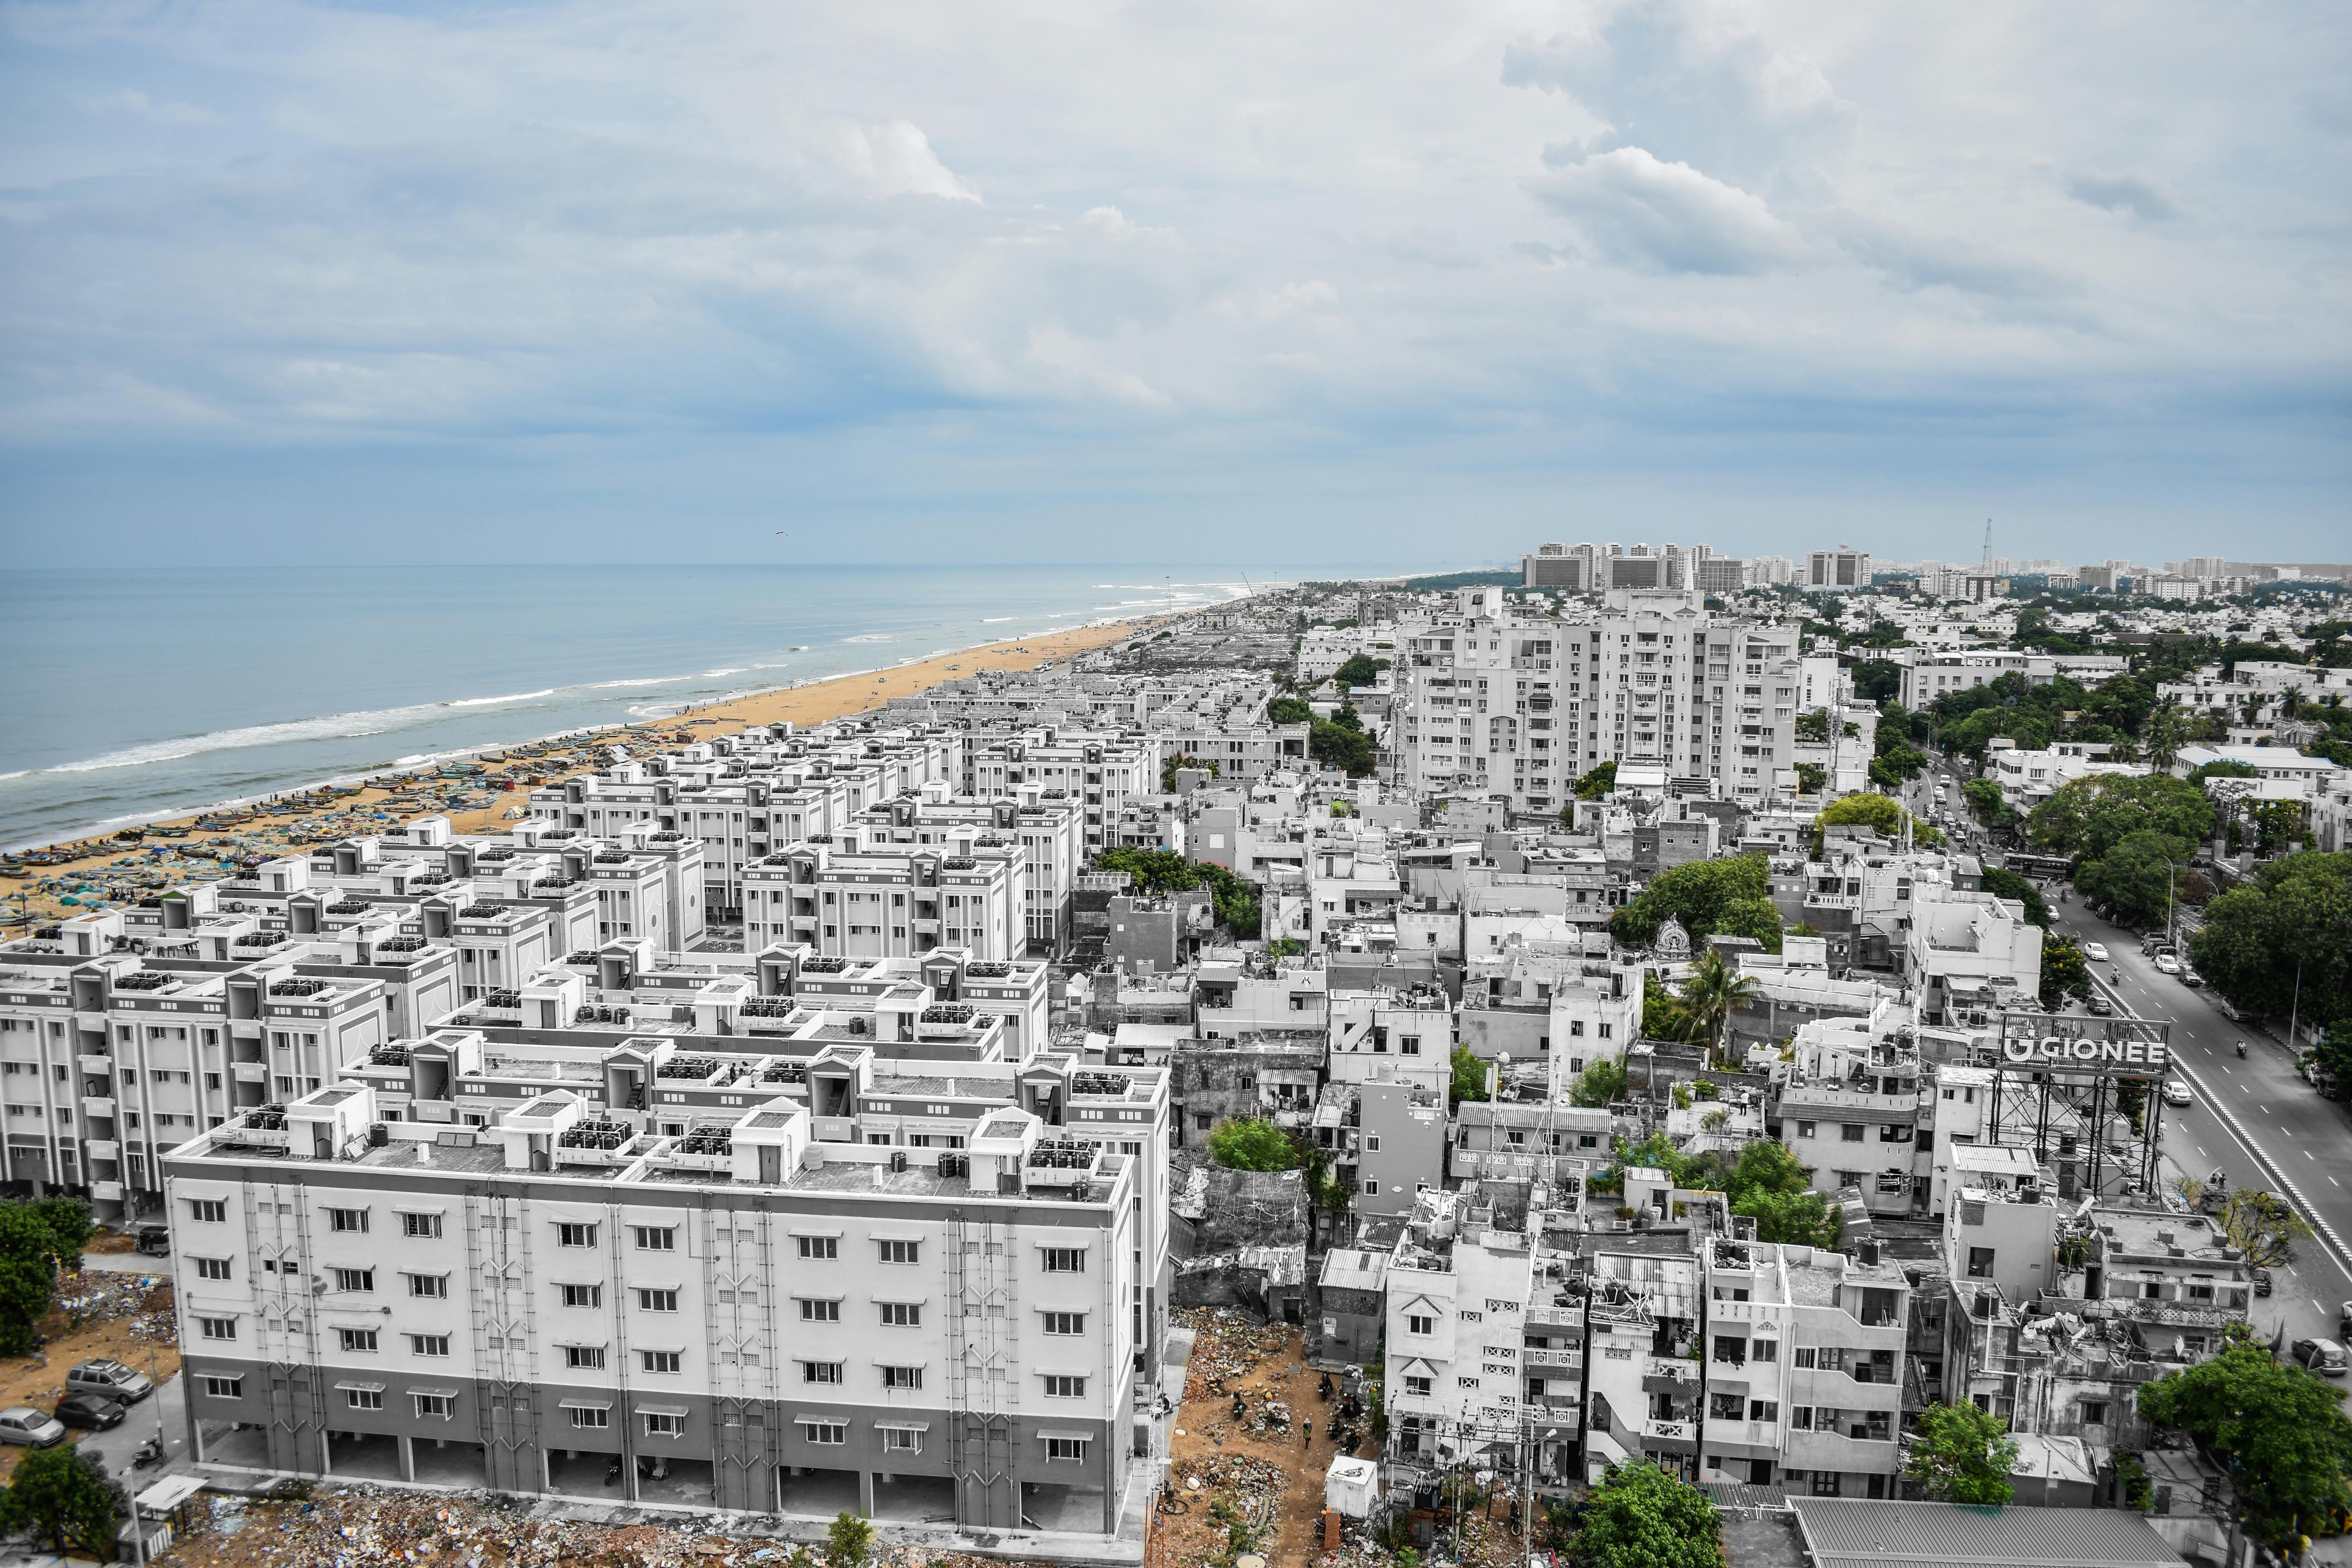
(111, 1378)
(30, 1428)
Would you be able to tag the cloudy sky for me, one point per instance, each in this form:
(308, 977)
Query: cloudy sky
(1277, 280)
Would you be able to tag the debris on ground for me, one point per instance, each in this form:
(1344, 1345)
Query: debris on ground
(143, 1300)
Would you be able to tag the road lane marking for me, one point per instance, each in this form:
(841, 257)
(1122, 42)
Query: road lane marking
(2338, 1253)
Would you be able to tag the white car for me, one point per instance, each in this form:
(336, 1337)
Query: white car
(2167, 964)
(2097, 951)
(2177, 1092)
(30, 1428)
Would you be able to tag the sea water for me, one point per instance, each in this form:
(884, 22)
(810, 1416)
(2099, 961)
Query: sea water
(130, 693)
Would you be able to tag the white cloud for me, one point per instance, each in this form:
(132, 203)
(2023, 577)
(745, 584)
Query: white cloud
(131, 100)
(1666, 218)
(895, 159)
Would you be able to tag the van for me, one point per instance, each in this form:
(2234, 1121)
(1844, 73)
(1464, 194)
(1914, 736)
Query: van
(2325, 1357)
(110, 1378)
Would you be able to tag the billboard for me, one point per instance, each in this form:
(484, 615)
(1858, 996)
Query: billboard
(2073, 1047)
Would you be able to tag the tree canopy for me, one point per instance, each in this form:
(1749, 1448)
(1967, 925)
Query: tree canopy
(1763, 1181)
(1602, 1082)
(1165, 872)
(1867, 808)
(1731, 897)
(2263, 1226)
(1597, 782)
(1253, 1143)
(37, 1237)
(1641, 1516)
(2281, 1431)
(2063, 972)
(2139, 878)
(2088, 817)
(1362, 669)
(1289, 710)
(1468, 1072)
(2007, 884)
(2293, 919)
(1962, 1454)
(65, 1496)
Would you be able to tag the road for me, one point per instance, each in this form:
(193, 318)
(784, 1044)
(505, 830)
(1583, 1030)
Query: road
(2254, 1119)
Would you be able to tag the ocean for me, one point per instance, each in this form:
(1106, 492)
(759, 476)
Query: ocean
(134, 692)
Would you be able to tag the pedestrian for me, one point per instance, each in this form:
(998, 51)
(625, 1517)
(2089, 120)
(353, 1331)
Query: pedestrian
(1306, 1433)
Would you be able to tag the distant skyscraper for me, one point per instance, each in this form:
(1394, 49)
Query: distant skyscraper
(1837, 571)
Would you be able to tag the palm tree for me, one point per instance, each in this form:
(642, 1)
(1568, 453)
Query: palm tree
(1711, 993)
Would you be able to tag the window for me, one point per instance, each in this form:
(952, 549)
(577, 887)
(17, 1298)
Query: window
(356, 1339)
(904, 1315)
(661, 1424)
(661, 1361)
(216, 1327)
(1066, 1448)
(363, 1398)
(821, 1372)
(348, 1220)
(435, 1286)
(656, 1238)
(209, 1211)
(900, 1251)
(439, 1405)
(429, 1344)
(1803, 1356)
(1763, 1410)
(1825, 1483)
(427, 1226)
(902, 1377)
(1417, 1324)
(1851, 1131)
(1066, 1260)
(1066, 1322)
(588, 1358)
(1060, 1387)
(1731, 1348)
(820, 1248)
(657, 1301)
(1807, 1128)
(1417, 1385)
(585, 1419)
(902, 1440)
(1801, 1417)
(825, 1434)
(1979, 1262)
(814, 1310)
(1725, 1407)
(2095, 1412)
(211, 1267)
(220, 1387)
(583, 1295)
(575, 1235)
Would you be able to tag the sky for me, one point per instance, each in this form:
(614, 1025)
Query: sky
(1281, 280)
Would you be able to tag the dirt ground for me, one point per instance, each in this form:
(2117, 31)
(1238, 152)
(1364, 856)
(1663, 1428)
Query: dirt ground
(145, 1338)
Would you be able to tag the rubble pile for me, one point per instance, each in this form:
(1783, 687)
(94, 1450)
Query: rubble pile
(143, 1300)
(1226, 1347)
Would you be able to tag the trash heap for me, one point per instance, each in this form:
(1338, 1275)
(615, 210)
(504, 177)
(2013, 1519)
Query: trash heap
(96, 1296)
(1226, 1346)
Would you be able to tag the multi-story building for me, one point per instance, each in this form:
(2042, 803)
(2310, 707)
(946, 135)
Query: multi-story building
(1839, 570)
(862, 897)
(1455, 1375)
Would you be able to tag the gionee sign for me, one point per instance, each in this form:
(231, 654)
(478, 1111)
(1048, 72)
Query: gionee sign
(2089, 1056)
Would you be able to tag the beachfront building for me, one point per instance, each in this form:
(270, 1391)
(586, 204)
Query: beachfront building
(1048, 825)
(1101, 772)
(791, 1305)
(861, 896)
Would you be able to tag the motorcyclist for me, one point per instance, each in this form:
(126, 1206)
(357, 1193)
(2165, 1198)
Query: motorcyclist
(2241, 1051)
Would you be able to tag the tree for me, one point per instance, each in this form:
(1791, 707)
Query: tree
(36, 1238)
(1641, 1516)
(2063, 972)
(1962, 1454)
(1711, 992)
(1341, 745)
(1707, 896)
(1984, 801)
(1597, 782)
(2088, 817)
(2334, 1058)
(1234, 900)
(1877, 680)
(1600, 1084)
(1811, 777)
(1361, 670)
(1767, 1184)
(2280, 1431)
(2135, 877)
(2006, 884)
(1663, 1015)
(1469, 1076)
(1289, 710)
(848, 1542)
(2263, 1227)
(2282, 942)
(64, 1495)
(1252, 1144)
(1867, 808)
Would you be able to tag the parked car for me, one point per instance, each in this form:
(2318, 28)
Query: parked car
(30, 1428)
(2167, 964)
(2325, 1357)
(154, 1240)
(2191, 978)
(2177, 1092)
(2344, 1320)
(109, 1380)
(2099, 1005)
(2262, 1281)
(93, 1411)
(2097, 951)
(2231, 1011)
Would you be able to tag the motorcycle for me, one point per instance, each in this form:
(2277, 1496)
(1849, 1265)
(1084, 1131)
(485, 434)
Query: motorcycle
(2241, 1051)
(1323, 1389)
(151, 1452)
(1334, 1429)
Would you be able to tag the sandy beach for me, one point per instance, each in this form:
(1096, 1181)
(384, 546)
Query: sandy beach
(104, 872)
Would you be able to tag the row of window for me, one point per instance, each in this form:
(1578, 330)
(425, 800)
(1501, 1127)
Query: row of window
(893, 1314)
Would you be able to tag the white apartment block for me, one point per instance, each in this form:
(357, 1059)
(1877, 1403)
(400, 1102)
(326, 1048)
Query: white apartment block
(856, 898)
(783, 1310)
(1457, 1374)
(1837, 571)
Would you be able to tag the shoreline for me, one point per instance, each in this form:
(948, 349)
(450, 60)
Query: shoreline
(808, 703)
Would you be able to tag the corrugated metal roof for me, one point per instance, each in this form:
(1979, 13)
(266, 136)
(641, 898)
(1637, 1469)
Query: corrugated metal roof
(1864, 1532)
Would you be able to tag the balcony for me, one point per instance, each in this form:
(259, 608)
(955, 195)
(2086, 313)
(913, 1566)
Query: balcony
(1670, 1437)
(1556, 1317)
(99, 1066)
(1542, 1357)
(101, 1148)
(250, 1072)
(97, 1105)
(106, 1192)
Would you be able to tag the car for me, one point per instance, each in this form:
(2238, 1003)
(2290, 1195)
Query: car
(2177, 1092)
(2262, 1281)
(153, 1240)
(2099, 1005)
(2167, 964)
(94, 1411)
(2191, 978)
(109, 1380)
(2097, 951)
(30, 1428)
(2325, 1357)
(2344, 1320)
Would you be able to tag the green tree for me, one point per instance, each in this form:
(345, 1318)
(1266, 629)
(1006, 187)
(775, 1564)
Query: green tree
(1877, 680)
(1361, 670)
(2135, 875)
(848, 1542)
(65, 1496)
(1984, 801)
(2063, 972)
(1599, 1085)
(1711, 992)
(1252, 1144)
(1597, 782)
(2281, 1432)
(1469, 1079)
(2006, 884)
(1766, 1182)
(2263, 1226)
(1289, 710)
(1641, 1516)
(2334, 1058)
(1663, 1016)
(36, 1238)
(2087, 818)
(2282, 942)
(1867, 808)
(1342, 745)
(1732, 895)
(1811, 777)
(1962, 1454)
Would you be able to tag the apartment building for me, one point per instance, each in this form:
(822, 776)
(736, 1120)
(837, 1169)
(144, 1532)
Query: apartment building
(861, 896)
(751, 1316)
(1968, 952)
(1104, 774)
(1851, 1109)
(1839, 570)
(1455, 1376)
(1047, 825)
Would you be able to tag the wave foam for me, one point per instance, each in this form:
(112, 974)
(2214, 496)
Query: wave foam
(328, 726)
